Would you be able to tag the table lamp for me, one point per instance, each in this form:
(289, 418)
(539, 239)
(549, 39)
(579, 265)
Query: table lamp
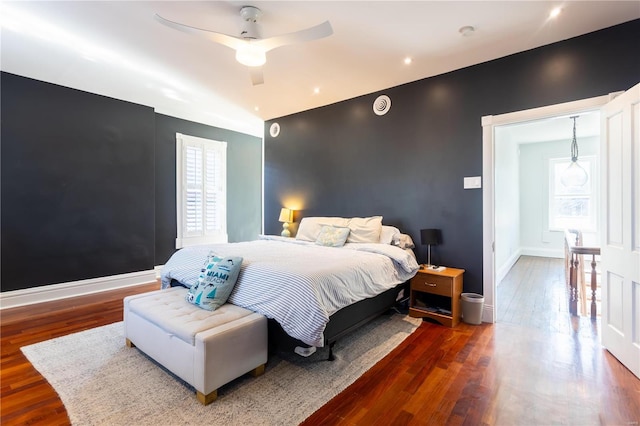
(286, 217)
(430, 237)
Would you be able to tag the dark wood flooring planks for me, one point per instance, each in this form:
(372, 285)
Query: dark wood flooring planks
(536, 366)
(26, 398)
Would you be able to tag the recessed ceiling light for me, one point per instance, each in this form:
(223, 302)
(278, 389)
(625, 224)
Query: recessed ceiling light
(407, 60)
(467, 31)
(555, 12)
(256, 108)
(316, 90)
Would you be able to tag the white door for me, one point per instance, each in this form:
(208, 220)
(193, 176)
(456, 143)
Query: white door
(620, 241)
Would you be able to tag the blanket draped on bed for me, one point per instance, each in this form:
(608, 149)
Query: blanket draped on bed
(297, 283)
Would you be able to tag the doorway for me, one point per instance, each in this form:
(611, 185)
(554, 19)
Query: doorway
(492, 127)
(532, 205)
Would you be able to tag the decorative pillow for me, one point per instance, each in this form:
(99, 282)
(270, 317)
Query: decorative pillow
(310, 227)
(365, 229)
(389, 234)
(332, 236)
(404, 242)
(216, 282)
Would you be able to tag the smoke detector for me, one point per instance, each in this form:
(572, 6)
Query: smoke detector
(467, 31)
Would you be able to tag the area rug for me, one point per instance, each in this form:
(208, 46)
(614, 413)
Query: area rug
(102, 382)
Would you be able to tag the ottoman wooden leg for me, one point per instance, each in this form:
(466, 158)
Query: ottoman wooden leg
(258, 371)
(207, 399)
(129, 344)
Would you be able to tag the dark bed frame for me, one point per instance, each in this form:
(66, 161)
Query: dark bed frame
(340, 323)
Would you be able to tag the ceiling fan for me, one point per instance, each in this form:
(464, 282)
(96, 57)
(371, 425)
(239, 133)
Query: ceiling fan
(250, 48)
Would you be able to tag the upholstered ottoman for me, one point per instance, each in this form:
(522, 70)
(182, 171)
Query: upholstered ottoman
(204, 348)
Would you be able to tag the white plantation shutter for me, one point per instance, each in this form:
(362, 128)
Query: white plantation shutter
(215, 190)
(201, 191)
(192, 190)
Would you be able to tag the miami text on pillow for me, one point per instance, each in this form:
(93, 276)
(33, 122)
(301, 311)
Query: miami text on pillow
(216, 282)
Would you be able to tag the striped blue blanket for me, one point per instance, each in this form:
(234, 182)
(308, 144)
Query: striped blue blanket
(298, 283)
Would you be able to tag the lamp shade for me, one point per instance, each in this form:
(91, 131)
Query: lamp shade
(431, 237)
(286, 215)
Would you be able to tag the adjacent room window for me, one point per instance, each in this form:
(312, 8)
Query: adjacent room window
(572, 207)
(201, 191)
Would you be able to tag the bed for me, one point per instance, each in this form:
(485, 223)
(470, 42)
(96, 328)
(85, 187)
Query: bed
(312, 294)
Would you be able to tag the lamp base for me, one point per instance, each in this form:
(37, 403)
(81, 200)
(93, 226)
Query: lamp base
(285, 230)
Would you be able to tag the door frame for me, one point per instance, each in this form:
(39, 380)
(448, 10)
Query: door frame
(489, 123)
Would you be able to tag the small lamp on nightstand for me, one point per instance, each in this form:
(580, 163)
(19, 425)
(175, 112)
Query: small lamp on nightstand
(286, 217)
(430, 237)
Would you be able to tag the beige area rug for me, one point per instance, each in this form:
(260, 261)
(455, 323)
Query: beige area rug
(102, 382)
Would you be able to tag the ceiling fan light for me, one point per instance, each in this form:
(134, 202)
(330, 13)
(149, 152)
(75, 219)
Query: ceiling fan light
(251, 55)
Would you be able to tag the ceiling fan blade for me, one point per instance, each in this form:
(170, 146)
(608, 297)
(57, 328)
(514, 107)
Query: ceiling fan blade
(256, 75)
(313, 33)
(227, 40)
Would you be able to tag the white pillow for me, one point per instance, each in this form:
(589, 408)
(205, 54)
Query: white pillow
(310, 227)
(365, 229)
(388, 234)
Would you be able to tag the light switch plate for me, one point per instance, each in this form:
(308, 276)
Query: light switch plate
(473, 182)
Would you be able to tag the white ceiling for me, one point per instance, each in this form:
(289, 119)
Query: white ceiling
(117, 49)
(553, 129)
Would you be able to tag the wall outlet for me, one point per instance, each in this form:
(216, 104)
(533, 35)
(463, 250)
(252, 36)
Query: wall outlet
(473, 182)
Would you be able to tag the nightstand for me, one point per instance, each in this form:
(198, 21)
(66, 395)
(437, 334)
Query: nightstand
(436, 295)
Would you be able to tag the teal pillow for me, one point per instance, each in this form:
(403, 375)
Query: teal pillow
(215, 283)
(332, 236)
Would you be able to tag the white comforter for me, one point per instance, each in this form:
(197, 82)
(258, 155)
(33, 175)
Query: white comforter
(297, 283)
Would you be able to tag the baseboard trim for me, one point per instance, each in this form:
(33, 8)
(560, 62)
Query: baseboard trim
(506, 266)
(487, 314)
(47, 293)
(542, 252)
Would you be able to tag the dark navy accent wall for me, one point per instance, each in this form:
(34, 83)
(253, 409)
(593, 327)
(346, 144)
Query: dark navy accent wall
(77, 185)
(409, 165)
(244, 181)
(88, 184)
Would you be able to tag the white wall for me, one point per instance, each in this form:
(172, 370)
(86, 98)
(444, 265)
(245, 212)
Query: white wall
(507, 204)
(535, 237)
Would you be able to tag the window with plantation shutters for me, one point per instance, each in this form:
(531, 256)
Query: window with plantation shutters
(201, 174)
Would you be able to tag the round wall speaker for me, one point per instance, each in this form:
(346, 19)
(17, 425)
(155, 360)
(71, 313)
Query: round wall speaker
(274, 130)
(382, 105)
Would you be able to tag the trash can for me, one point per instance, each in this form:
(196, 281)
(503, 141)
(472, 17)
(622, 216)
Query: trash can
(472, 304)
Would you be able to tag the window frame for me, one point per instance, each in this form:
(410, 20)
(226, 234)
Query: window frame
(592, 223)
(204, 235)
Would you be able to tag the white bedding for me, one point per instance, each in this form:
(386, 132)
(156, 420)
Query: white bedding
(298, 283)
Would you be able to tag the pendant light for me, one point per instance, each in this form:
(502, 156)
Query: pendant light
(574, 175)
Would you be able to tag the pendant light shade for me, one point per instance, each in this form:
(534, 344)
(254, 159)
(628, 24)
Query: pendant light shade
(574, 175)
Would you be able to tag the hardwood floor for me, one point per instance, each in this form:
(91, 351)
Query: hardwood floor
(536, 366)
(26, 398)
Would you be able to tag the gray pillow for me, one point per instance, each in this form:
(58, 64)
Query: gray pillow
(332, 236)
